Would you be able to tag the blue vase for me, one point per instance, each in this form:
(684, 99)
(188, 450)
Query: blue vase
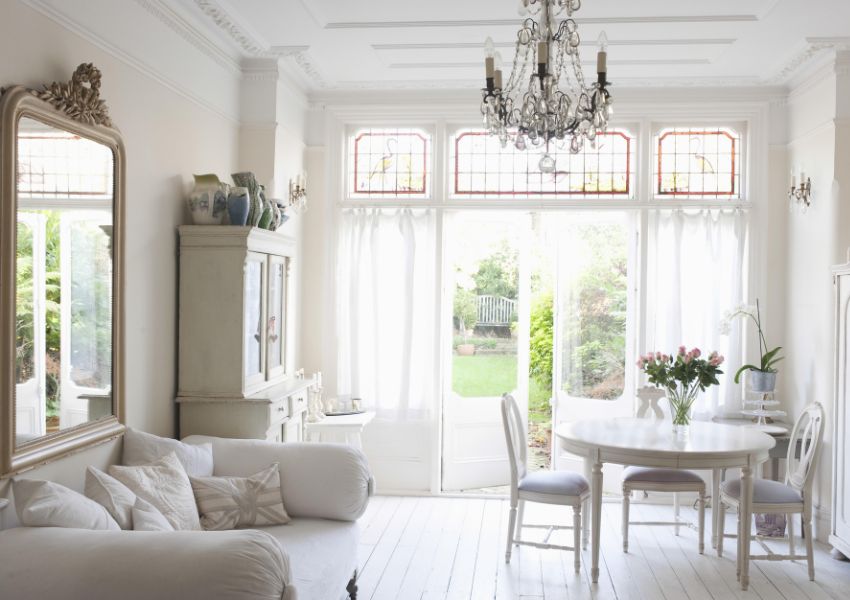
(238, 204)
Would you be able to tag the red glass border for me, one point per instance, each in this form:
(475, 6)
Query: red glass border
(627, 192)
(703, 193)
(396, 192)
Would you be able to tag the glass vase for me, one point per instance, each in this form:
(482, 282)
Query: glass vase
(681, 402)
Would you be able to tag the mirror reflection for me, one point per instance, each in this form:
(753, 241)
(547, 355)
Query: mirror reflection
(63, 317)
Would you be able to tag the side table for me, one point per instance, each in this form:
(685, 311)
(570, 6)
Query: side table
(344, 429)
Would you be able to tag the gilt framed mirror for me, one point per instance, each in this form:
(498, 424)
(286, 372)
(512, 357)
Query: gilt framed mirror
(62, 170)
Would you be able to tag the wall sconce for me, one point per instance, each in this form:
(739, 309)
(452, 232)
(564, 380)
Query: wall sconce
(298, 193)
(800, 195)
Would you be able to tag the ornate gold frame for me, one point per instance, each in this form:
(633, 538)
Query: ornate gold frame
(75, 107)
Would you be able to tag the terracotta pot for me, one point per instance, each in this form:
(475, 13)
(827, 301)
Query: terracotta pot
(465, 349)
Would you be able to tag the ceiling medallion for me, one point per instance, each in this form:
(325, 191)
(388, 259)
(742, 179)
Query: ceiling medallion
(546, 98)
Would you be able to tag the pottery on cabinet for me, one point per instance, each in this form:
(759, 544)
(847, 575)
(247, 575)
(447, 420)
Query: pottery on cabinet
(208, 200)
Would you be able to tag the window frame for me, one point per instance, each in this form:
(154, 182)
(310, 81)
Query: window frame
(452, 171)
(354, 132)
(737, 155)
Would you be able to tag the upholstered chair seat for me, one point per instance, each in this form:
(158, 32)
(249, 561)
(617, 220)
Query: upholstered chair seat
(650, 474)
(562, 483)
(548, 487)
(765, 491)
(657, 479)
(792, 497)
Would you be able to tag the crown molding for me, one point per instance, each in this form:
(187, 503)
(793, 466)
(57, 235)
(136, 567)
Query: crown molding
(589, 43)
(252, 45)
(804, 57)
(512, 22)
(135, 62)
(249, 42)
(182, 27)
(614, 62)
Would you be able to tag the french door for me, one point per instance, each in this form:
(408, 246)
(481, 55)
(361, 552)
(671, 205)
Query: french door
(594, 296)
(486, 268)
(30, 375)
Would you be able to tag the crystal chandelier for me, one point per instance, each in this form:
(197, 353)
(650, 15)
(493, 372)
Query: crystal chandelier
(546, 97)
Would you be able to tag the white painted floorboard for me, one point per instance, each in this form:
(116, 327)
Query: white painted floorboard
(416, 548)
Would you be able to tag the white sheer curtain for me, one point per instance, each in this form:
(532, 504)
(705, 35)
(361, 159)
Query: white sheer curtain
(696, 272)
(386, 310)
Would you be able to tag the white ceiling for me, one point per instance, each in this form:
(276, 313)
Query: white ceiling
(416, 44)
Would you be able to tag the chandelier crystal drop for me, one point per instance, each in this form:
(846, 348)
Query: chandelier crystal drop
(546, 98)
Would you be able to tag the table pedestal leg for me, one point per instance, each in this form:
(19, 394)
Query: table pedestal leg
(585, 510)
(746, 510)
(595, 526)
(715, 505)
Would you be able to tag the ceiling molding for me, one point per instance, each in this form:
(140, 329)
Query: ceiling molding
(810, 49)
(171, 19)
(254, 46)
(513, 22)
(477, 45)
(622, 62)
(622, 82)
(134, 62)
(249, 42)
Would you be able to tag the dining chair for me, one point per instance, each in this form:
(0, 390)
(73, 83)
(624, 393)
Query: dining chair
(652, 479)
(564, 488)
(793, 496)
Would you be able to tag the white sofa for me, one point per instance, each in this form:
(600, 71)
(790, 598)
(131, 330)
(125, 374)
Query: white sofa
(325, 490)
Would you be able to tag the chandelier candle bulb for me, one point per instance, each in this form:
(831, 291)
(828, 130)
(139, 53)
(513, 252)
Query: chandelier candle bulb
(542, 53)
(602, 55)
(497, 79)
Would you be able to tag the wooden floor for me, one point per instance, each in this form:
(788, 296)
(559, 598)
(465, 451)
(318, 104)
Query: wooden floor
(430, 548)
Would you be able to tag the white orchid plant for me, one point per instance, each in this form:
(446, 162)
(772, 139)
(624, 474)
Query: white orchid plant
(768, 358)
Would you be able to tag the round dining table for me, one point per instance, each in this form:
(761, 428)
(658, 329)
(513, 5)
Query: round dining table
(652, 443)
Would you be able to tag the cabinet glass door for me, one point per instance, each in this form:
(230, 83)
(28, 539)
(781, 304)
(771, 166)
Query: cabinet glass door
(253, 319)
(276, 321)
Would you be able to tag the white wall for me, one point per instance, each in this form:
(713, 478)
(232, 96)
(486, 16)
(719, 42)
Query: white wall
(819, 142)
(178, 106)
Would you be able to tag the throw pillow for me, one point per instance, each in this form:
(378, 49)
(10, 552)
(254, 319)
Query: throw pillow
(147, 518)
(165, 485)
(113, 495)
(48, 504)
(142, 448)
(231, 502)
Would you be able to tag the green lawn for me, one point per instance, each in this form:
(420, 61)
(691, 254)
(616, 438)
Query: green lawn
(493, 375)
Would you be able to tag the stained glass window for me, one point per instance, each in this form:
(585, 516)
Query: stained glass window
(55, 163)
(389, 162)
(698, 162)
(482, 167)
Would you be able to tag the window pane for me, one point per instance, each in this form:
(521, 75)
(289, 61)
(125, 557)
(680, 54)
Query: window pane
(593, 294)
(24, 307)
(390, 162)
(605, 170)
(91, 303)
(698, 162)
(53, 163)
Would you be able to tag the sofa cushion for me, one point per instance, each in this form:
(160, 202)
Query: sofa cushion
(39, 563)
(322, 555)
(49, 504)
(328, 481)
(231, 502)
(146, 517)
(142, 448)
(165, 485)
(113, 495)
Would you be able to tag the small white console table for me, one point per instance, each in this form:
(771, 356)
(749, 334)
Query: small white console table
(344, 429)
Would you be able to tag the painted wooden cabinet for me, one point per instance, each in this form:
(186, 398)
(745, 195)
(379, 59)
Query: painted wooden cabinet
(839, 535)
(235, 333)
